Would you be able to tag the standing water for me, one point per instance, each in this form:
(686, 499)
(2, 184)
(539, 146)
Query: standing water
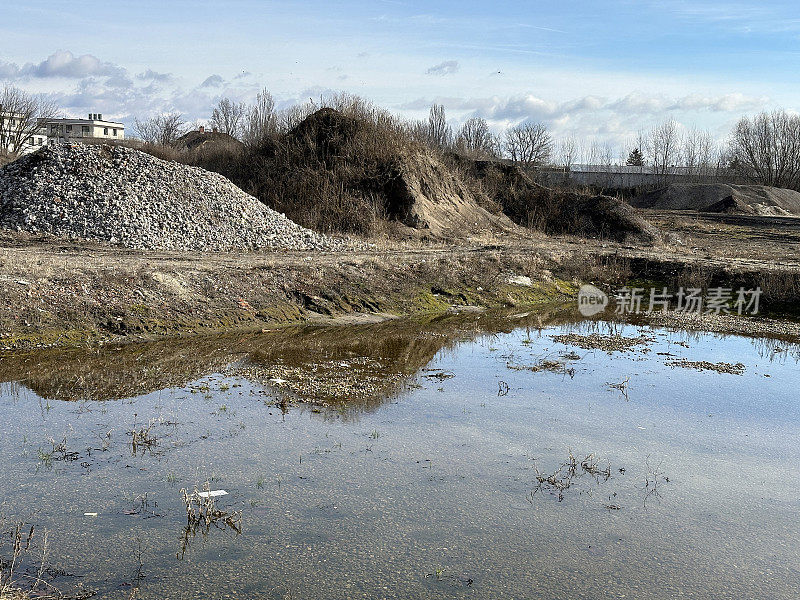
(462, 457)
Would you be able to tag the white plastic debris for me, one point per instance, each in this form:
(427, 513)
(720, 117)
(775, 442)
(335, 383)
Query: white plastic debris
(212, 494)
(89, 514)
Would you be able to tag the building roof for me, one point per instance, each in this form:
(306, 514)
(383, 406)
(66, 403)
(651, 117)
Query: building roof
(116, 124)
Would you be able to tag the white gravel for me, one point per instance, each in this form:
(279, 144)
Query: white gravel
(126, 197)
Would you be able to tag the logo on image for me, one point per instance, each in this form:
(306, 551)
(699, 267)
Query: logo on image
(591, 300)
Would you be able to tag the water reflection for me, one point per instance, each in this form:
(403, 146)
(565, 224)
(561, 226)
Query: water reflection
(488, 470)
(361, 365)
(350, 368)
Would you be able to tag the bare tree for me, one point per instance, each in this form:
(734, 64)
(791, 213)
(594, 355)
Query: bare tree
(228, 117)
(766, 149)
(163, 130)
(698, 154)
(603, 155)
(261, 122)
(22, 116)
(568, 152)
(664, 146)
(529, 144)
(292, 116)
(440, 135)
(475, 139)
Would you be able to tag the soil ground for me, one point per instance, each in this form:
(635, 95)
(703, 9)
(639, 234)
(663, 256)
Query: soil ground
(55, 292)
(746, 239)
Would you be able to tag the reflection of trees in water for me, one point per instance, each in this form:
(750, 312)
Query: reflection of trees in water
(383, 355)
(117, 371)
(777, 351)
(347, 368)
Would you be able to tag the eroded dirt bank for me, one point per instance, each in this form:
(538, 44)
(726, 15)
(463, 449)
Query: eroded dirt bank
(56, 293)
(62, 294)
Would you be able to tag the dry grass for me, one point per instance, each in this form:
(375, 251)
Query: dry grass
(331, 172)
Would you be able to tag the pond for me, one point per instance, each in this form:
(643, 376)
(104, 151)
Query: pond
(469, 456)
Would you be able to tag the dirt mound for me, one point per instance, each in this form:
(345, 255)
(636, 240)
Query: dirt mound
(557, 211)
(425, 195)
(412, 187)
(123, 196)
(717, 197)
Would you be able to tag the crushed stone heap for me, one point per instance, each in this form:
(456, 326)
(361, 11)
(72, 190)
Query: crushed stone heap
(126, 197)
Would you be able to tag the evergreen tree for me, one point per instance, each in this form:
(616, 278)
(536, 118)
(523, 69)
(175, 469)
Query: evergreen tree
(635, 158)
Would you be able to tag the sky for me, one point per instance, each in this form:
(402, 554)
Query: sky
(598, 71)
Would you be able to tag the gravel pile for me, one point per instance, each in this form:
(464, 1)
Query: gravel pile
(126, 197)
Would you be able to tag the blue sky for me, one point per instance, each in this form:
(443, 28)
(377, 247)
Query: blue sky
(596, 70)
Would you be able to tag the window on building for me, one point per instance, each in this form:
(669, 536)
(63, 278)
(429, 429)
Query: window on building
(41, 142)
(30, 140)
(69, 128)
(105, 130)
(53, 129)
(85, 130)
(115, 132)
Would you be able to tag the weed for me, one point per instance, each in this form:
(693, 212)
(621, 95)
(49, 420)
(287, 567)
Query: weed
(142, 438)
(622, 386)
(654, 478)
(58, 452)
(568, 472)
(45, 458)
(202, 513)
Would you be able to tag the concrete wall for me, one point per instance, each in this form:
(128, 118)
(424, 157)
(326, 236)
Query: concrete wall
(614, 177)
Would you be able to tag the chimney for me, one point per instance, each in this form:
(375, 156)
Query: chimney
(99, 117)
(202, 129)
(90, 116)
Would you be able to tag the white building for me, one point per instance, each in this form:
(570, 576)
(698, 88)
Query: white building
(74, 130)
(10, 126)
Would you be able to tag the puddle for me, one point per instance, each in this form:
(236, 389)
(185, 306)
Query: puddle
(466, 456)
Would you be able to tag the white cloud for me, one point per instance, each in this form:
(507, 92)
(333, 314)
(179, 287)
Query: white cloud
(512, 109)
(447, 67)
(151, 75)
(595, 119)
(213, 81)
(65, 65)
(83, 84)
(8, 70)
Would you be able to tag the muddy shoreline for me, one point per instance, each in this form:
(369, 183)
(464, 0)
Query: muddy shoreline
(57, 293)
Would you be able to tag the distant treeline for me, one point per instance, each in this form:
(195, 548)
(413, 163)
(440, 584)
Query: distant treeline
(764, 149)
